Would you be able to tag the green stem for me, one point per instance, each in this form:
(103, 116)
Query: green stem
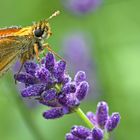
(81, 114)
(58, 88)
(106, 136)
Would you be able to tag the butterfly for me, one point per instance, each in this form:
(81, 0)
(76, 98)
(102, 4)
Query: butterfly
(17, 43)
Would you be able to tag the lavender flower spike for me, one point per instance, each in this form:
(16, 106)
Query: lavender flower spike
(102, 114)
(102, 124)
(50, 84)
(81, 7)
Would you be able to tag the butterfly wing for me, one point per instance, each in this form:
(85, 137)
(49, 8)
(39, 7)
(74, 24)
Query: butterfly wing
(11, 48)
(9, 31)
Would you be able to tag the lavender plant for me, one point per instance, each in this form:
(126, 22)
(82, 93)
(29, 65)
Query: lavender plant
(50, 84)
(102, 123)
(77, 45)
(81, 7)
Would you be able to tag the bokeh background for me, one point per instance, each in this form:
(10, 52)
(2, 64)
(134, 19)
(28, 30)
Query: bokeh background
(102, 38)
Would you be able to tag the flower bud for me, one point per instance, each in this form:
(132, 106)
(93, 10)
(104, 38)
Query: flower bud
(97, 134)
(113, 122)
(82, 90)
(30, 67)
(70, 136)
(80, 131)
(53, 113)
(91, 117)
(102, 114)
(50, 61)
(49, 95)
(33, 90)
(44, 75)
(79, 77)
(25, 78)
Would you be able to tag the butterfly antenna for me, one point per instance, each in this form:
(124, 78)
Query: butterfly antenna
(56, 13)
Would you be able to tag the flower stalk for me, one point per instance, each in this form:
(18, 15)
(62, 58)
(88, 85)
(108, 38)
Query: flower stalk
(81, 114)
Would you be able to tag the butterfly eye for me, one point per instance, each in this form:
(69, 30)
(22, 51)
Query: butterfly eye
(38, 32)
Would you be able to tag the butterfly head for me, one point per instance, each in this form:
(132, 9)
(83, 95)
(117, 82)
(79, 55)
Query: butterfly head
(42, 29)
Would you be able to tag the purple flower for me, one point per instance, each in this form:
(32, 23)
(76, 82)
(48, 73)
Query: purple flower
(97, 134)
(82, 90)
(102, 114)
(49, 95)
(50, 84)
(81, 7)
(80, 131)
(20, 86)
(25, 78)
(101, 118)
(76, 50)
(50, 62)
(33, 90)
(92, 117)
(54, 113)
(79, 77)
(69, 88)
(30, 68)
(44, 75)
(113, 121)
(59, 70)
(70, 136)
(83, 133)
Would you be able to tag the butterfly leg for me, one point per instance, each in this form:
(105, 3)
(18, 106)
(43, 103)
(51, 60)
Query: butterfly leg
(36, 52)
(24, 57)
(22, 60)
(49, 49)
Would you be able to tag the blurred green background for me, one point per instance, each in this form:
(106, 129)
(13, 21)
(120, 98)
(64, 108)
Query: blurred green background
(115, 30)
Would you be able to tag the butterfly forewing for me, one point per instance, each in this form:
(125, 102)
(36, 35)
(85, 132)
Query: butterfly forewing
(11, 47)
(9, 31)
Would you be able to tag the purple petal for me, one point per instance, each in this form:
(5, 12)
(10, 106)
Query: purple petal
(97, 134)
(33, 90)
(69, 88)
(53, 103)
(49, 95)
(69, 136)
(59, 70)
(102, 114)
(113, 122)
(89, 138)
(30, 67)
(81, 7)
(66, 79)
(69, 100)
(79, 77)
(50, 61)
(82, 90)
(91, 117)
(80, 131)
(25, 78)
(53, 113)
(44, 75)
